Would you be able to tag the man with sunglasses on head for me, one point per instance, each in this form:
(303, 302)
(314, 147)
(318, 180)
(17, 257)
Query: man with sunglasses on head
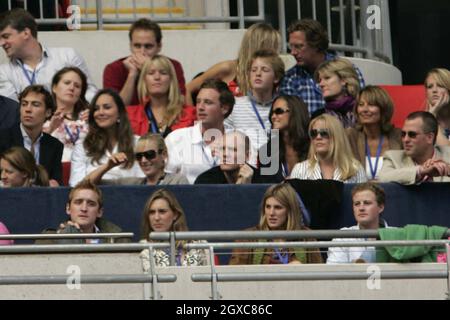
(308, 43)
(421, 160)
(151, 155)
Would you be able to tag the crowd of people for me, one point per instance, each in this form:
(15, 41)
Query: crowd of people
(242, 121)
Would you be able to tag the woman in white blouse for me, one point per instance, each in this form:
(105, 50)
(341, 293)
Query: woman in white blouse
(109, 138)
(330, 156)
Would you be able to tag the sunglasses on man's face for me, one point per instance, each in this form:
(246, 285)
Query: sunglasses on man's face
(149, 155)
(324, 133)
(279, 111)
(411, 134)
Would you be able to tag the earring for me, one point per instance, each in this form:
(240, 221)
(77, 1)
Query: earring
(118, 121)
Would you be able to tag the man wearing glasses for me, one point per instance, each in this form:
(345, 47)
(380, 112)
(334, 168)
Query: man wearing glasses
(420, 160)
(308, 43)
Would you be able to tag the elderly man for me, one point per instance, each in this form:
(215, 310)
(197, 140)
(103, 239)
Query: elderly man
(420, 160)
(308, 42)
(234, 167)
(30, 62)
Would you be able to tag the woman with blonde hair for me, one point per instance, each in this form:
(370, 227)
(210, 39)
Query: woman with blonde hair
(374, 134)
(235, 72)
(19, 169)
(161, 109)
(437, 88)
(280, 211)
(163, 213)
(339, 83)
(330, 156)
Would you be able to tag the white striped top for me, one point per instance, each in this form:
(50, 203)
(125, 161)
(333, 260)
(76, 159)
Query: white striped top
(244, 119)
(302, 171)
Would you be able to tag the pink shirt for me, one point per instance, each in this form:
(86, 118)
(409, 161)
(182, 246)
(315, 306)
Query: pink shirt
(4, 230)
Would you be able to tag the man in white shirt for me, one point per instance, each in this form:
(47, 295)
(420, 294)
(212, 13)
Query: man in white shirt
(30, 62)
(368, 204)
(195, 149)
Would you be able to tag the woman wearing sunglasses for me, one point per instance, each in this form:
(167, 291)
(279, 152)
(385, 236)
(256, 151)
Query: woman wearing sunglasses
(280, 211)
(109, 139)
(374, 133)
(151, 155)
(161, 109)
(289, 115)
(330, 156)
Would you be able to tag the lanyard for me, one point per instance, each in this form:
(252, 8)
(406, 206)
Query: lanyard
(285, 169)
(261, 122)
(73, 137)
(214, 163)
(25, 72)
(373, 171)
(282, 257)
(151, 118)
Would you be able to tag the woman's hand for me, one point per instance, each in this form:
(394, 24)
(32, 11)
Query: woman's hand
(117, 159)
(55, 121)
(434, 106)
(84, 115)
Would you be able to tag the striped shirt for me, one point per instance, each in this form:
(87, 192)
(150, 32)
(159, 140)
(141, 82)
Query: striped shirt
(302, 171)
(299, 82)
(245, 119)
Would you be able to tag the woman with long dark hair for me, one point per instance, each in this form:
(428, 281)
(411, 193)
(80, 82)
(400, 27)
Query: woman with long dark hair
(109, 139)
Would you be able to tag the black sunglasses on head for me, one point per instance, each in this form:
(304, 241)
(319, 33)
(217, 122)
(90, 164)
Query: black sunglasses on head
(279, 111)
(149, 154)
(324, 133)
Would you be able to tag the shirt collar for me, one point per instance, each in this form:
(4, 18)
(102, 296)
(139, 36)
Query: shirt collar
(45, 54)
(265, 103)
(26, 136)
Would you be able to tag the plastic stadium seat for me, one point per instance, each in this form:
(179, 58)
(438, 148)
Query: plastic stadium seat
(66, 173)
(406, 100)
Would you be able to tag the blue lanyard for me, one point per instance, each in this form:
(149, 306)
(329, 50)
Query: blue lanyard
(285, 169)
(373, 171)
(25, 72)
(151, 118)
(214, 163)
(73, 138)
(261, 122)
(282, 257)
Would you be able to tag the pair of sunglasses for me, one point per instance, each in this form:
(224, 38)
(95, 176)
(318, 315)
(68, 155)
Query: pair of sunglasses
(324, 133)
(149, 155)
(411, 134)
(279, 111)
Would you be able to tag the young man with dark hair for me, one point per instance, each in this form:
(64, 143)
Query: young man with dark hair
(123, 74)
(30, 62)
(36, 106)
(85, 210)
(308, 43)
(420, 160)
(193, 150)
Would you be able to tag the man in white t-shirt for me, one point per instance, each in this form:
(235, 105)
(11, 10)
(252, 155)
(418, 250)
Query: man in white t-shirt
(194, 150)
(368, 204)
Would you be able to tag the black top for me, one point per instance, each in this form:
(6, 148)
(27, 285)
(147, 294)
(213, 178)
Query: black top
(9, 113)
(50, 152)
(216, 176)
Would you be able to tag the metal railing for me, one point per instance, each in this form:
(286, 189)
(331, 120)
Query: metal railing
(59, 236)
(150, 278)
(345, 20)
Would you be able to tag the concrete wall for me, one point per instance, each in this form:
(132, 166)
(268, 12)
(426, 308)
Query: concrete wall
(129, 263)
(197, 50)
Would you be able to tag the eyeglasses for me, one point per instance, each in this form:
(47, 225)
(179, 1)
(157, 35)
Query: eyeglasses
(411, 134)
(324, 133)
(296, 47)
(149, 155)
(279, 111)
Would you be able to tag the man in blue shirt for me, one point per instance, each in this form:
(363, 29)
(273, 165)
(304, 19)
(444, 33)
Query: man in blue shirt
(308, 42)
